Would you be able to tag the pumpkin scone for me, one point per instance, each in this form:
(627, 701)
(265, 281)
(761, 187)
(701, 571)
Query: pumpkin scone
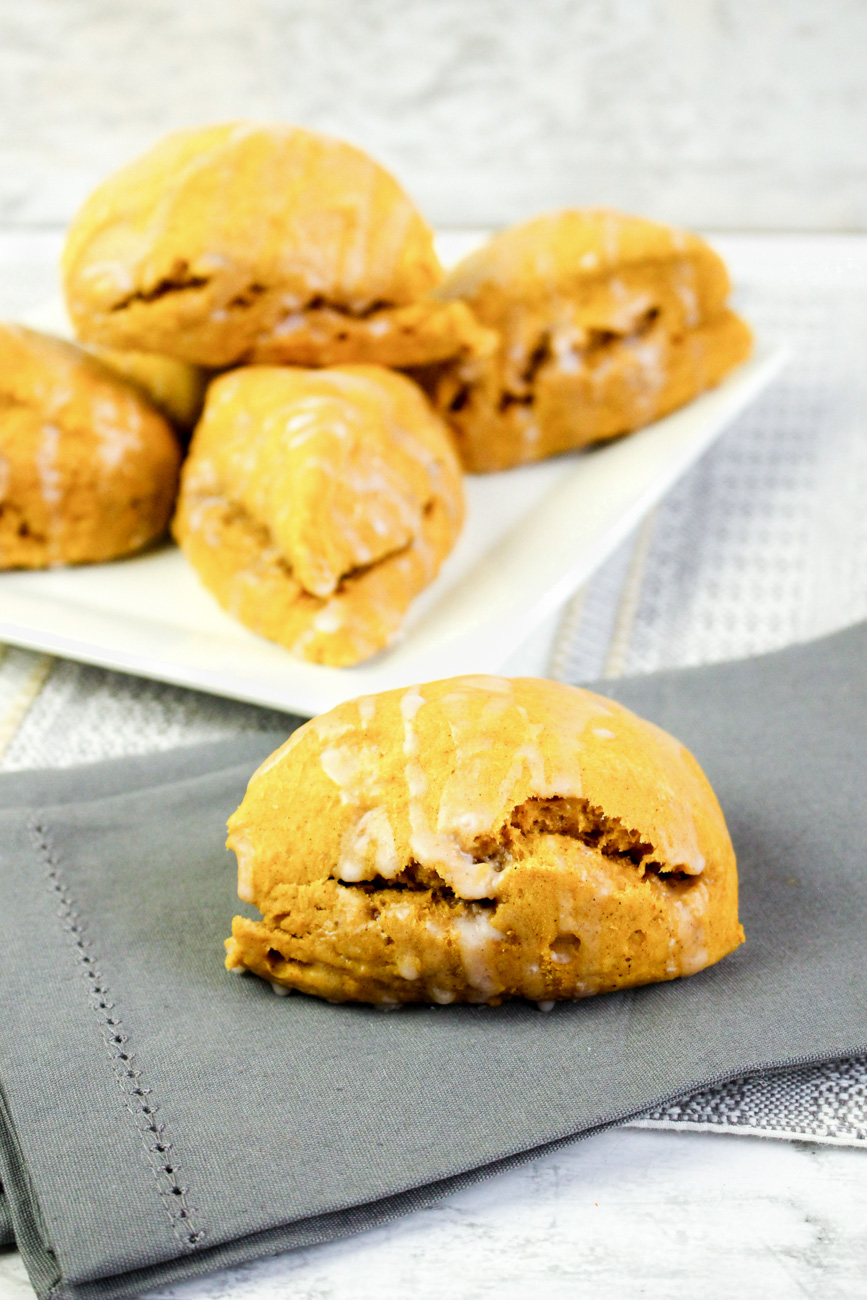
(88, 468)
(175, 388)
(605, 322)
(249, 242)
(477, 839)
(316, 504)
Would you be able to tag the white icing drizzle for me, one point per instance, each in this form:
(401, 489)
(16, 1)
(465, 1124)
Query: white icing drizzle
(367, 848)
(477, 942)
(118, 430)
(50, 481)
(649, 373)
(290, 324)
(530, 430)
(366, 709)
(442, 996)
(343, 764)
(385, 250)
(352, 273)
(330, 618)
(242, 846)
(113, 274)
(631, 306)
(338, 459)
(684, 280)
(371, 831)
(566, 344)
(51, 484)
(408, 966)
(603, 733)
(437, 849)
(485, 782)
(690, 914)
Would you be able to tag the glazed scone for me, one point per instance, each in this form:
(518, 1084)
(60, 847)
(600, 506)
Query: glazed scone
(316, 504)
(175, 388)
(605, 322)
(88, 468)
(260, 243)
(477, 839)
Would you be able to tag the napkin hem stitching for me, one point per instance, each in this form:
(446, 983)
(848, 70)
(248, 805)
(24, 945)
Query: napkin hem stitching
(138, 1097)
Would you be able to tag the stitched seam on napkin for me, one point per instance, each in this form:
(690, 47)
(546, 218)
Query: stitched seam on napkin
(138, 1097)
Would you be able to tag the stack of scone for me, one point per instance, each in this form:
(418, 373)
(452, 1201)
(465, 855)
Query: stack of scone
(322, 489)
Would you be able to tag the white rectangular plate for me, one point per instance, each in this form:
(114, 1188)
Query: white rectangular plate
(532, 536)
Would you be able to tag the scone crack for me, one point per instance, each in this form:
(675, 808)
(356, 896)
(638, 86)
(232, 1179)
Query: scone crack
(570, 348)
(271, 554)
(179, 280)
(416, 878)
(579, 819)
(574, 819)
(248, 296)
(319, 303)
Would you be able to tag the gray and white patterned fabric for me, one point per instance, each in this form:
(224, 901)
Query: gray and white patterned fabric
(764, 543)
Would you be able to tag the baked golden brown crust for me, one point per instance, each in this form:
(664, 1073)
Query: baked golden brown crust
(175, 388)
(316, 504)
(605, 322)
(88, 468)
(476, 839)
(262, 243)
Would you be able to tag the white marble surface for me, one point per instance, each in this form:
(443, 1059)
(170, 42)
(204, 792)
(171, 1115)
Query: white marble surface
(723, 113)
(623, 1214)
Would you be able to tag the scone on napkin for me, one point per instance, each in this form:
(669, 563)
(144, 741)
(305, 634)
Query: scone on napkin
(289, 1122)
(481, 838)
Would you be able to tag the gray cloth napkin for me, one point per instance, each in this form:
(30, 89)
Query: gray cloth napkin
(161, 1118)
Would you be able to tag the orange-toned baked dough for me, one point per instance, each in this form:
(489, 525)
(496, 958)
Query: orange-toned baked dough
(605, 322)
(316, 504)
(476, 839)
(88, 468)
(175, 388)
(262, 243)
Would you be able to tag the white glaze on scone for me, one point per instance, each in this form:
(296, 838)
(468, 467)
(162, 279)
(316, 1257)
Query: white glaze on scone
(316, 504)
